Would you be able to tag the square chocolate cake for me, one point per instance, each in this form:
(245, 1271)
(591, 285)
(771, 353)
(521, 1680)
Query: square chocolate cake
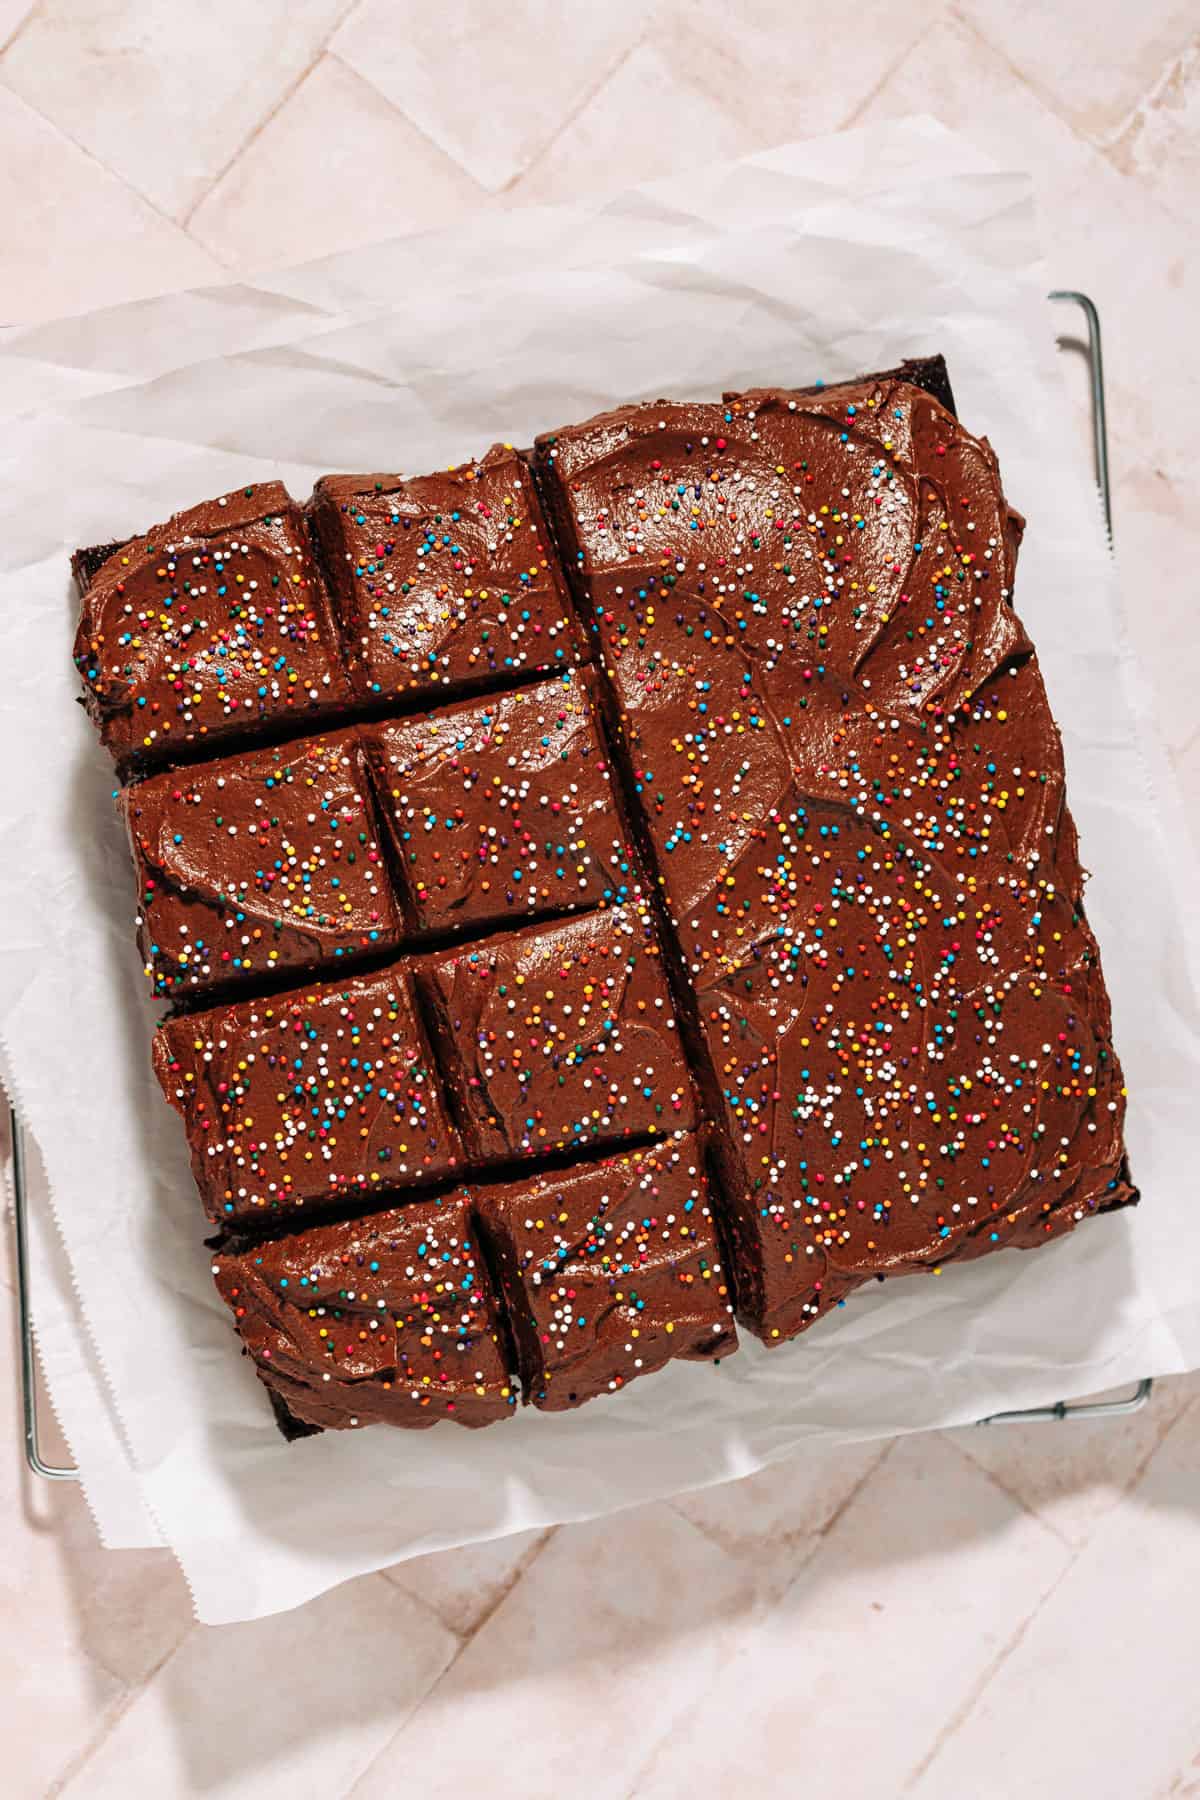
(214, 625)
(307, 1098)
(259, 863)
(444, 582)
(561, 1037)
(502, 807)
(609, 1270)
(387, 1319)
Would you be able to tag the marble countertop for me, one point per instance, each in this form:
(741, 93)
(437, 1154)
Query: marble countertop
(889, 1620)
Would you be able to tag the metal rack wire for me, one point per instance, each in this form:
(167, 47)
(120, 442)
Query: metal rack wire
(1060, 1409)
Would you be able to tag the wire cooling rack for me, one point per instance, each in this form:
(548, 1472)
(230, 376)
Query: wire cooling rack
(1061, 1409)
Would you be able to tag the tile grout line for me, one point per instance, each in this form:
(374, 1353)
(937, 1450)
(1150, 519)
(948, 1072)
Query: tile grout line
(585, 101)
(1168, 1431)
(1045, 100)
(502, 1592)
(484, 194)
(506, 1588)
(1103, 142)
(805, 1542)
(292, 88)
(15, 33)
(53, 125)
(963, 1711)
(1175, 69)
(877, 87)
(1001, 1487)
(848, 1500)
(418, 1600)
(1017, 75)
(1138, 187)
(464, 1644)
(85, 152)
(133, 1692)
(323, 54)
(762, 1605)
(817, 1533)
(1123, 1492)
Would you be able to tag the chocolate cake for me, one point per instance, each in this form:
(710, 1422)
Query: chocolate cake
(306, 1099)
(739, 969)
(444, 582)
(212, 625)
(389, 1319)
(609, 1271)
(259, 863)
(561, 1037)
(502, 807)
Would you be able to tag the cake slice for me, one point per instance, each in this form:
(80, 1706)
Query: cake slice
(307, 1098)
(502, 807)
(559, 1037)
(259, 863)
(387, 1320)
(212, 626)
(446, 582)
(609, 1271)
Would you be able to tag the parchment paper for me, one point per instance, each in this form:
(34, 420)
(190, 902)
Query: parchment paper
(819, 260)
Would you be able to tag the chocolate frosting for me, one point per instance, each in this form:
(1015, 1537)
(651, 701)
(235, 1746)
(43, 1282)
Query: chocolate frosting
(502, 806)
(559, 1037)
(307, 1099)
(387, 1319)
(258, 863)
(853, 788)
(446, 581)
(211, 625)
(609, 1271)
